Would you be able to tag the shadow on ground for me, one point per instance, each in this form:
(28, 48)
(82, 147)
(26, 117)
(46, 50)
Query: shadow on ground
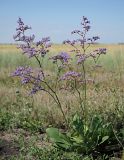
(8, 147)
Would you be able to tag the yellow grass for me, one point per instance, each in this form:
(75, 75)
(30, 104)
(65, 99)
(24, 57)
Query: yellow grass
(111, 48)
(102, 100)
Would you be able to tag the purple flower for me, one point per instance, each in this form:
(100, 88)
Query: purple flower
(82, 33)
(20, 22)
(81, 58)
(21, 26)
(85, 18)
(25, 80)
(66, 42)
(96, 38)
(72, 43)
(30, 51)
(43, 41)
(29, 47)
(24, 38)
(102, 50)
(70, 75)
(87, 28)
(75, 31)
(44, 44)
(21, 71)
(63, 57)
(81, 41)
(48, 45)
(35, 89)
(17, 35)
(27, 75)
(20, 36)
(93, 39)
(93, 54)
(42, 52)
(38, 78)
(85, 23)
(24, 73)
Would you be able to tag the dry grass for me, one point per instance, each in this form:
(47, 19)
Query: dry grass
(106, 78)
(31, 113)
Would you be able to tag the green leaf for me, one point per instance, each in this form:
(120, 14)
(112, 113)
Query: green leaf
(77, 139)
(78, 124)
(105, 138)
(58, 138)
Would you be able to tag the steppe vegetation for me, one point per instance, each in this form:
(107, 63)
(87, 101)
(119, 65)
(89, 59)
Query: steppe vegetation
(92, 126)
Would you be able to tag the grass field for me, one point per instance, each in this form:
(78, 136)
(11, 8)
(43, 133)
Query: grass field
(24, 118)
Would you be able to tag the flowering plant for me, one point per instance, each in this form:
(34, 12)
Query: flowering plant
(38, 80)
(80, 49)
(86, 136)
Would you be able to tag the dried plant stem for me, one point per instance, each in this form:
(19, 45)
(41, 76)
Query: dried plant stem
(80, 98)
(85, 85)
(56, 99)
(54, 95)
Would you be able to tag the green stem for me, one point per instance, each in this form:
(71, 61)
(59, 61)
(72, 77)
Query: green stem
(40, 65)
(85, 91)
(85, 83)
(57, 101)
(80, 99)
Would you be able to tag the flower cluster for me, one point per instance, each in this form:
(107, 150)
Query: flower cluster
(24, 73)
(30, 47)
(40, 48)
(44, 41)
(85, 23)
(92, 40)
(71, 75)
(81, 58)
(28, 50)
(84, 43)
(27, 75)
(44, 45)
(72, 43)
(20, 36)
(97, 52)
(67, 77)
(63, 57)
(95, 55)
(101, 51)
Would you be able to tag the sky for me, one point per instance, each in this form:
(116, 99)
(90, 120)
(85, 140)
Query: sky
(57, 18)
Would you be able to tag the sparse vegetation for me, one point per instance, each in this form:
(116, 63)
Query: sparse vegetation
(21, 113)
(94, 130)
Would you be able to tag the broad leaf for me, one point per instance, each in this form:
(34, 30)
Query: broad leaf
(105, 138)
(58, 138)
